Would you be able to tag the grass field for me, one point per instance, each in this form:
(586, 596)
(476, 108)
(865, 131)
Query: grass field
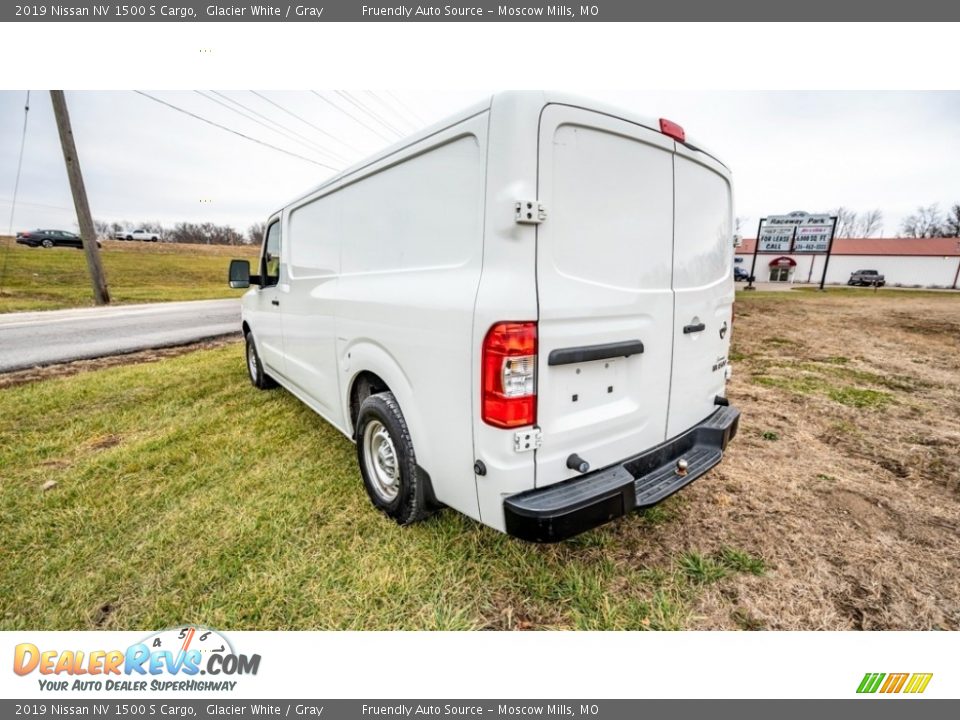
(183, 495)
(47, 279)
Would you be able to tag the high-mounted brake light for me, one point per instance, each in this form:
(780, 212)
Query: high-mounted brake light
(670, 128)
(508, 375)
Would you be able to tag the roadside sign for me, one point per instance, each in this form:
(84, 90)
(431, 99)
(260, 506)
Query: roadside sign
(775, 238)
(813, 238)
(797, 232)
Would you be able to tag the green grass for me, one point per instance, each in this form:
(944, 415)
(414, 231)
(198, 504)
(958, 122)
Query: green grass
(743, 562)
(47, 279)
(184, 495)
(833, 378)
(702, 570)
(861, 397)
(846, 291)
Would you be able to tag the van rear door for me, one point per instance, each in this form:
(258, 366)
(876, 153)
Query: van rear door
(604, 266)
(703, 287)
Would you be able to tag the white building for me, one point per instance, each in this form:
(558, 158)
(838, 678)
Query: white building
(907, 262)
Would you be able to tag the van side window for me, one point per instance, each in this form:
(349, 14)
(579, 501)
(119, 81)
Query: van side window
(270, 262)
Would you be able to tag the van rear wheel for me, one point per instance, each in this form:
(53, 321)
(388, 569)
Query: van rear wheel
(387, 460)
(258, 377)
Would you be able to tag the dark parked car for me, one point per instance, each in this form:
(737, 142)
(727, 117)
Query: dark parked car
(51, 238)
(867, 277)
(740, 274)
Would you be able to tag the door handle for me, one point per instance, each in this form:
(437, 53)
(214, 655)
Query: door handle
(275, 302)
(699, 327)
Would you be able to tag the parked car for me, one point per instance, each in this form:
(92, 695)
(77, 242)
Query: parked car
(522, 313)
(51, 238)
(740, 274)
(145, 235)
(867, 277)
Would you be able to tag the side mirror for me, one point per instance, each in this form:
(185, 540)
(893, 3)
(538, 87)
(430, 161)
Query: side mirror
(240, 276)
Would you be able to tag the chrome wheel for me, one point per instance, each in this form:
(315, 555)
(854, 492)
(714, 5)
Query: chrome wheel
(252, 365)
(380, 457)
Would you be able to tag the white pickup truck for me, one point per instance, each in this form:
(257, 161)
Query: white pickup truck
(144, 235)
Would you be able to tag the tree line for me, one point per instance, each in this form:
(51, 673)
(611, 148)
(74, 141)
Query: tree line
(186, 232)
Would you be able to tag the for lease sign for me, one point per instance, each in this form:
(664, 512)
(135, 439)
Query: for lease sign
(813, 238)
(795, 232)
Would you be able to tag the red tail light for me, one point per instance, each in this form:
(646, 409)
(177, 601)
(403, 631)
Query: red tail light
(508, 375)
(671, 129)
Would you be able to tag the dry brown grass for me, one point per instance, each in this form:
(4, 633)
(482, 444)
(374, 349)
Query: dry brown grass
(845, 477)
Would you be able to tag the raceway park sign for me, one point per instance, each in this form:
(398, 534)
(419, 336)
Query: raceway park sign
(797, 232)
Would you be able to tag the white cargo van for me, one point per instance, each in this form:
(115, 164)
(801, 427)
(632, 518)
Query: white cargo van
(522, 313)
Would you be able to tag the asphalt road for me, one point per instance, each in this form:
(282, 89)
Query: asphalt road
(55, 336)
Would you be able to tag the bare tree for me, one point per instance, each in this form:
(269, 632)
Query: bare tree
(846, 222)
(255, 233)
(926, 222)
(103, 228)
(870, 223)
(951, 226)
(208, 233)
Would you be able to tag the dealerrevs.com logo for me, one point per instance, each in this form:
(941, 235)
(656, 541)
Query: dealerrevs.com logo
(181, 659)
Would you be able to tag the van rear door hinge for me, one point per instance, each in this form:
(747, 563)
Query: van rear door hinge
(530, 212)
(526, 440)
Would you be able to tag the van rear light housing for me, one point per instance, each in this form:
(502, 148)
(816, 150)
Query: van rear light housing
(508, 383)
(672, 129)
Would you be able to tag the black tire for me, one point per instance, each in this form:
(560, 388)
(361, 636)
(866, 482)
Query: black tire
(258, 377)
(410, 504)
(129, 237)
(47, 244)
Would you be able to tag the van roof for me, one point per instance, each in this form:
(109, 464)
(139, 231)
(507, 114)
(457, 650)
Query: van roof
(536, 100)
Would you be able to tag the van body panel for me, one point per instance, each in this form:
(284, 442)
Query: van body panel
(408, 283)
(308, 302)
(703, 288)
(604, 263)
(507, 289)
(261, 312)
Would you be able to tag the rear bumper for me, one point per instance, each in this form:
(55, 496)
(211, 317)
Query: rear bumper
(570, 507)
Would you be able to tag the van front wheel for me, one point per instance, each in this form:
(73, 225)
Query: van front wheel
(255, 368)
(387, 460)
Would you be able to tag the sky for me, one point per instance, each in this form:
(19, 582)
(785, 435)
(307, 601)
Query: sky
(144, 161)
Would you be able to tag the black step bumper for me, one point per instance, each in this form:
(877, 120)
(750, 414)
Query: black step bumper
(560, 511)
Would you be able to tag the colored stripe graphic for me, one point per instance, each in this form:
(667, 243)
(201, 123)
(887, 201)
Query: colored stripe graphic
(870, 682)
(894, 683)
(918, 683)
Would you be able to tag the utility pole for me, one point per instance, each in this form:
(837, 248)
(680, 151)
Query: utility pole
(101, 296)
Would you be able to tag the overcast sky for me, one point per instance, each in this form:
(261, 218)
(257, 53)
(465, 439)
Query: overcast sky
(144, 161)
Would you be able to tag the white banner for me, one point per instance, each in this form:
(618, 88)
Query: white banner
(331, 665)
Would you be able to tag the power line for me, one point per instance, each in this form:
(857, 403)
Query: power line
(305, 122)
(346, 96)
(377, 115)
(16, 188)
(23, 143)
(235, 132)
(392, 110)
(352, 117)
(40, 205)
(415, 115)
(305, 143)
(277, 124)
